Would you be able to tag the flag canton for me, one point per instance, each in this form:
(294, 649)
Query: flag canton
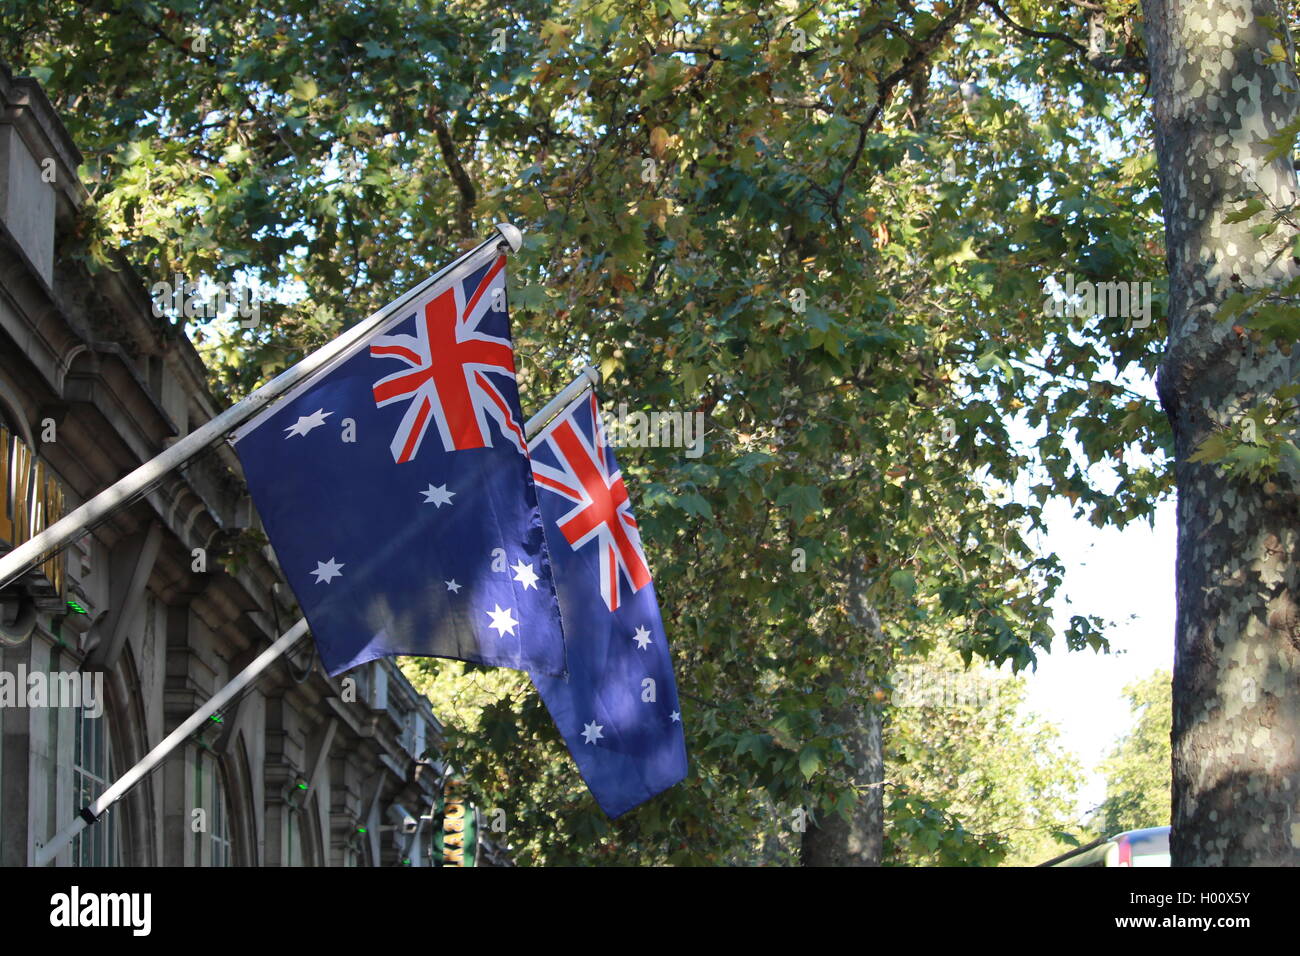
(618, 710)
(574, 462)
(397, 493)
(454, 366)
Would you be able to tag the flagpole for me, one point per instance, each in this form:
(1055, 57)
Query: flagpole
(589, 378)
(74, 524)
(91, 813)
(47, 852)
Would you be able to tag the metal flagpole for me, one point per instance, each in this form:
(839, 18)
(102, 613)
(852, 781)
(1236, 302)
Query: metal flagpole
(91, 813)
(88, 815)
(588, 379)
(71, 526)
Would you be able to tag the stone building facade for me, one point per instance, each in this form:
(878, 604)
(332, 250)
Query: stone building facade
(303, 769)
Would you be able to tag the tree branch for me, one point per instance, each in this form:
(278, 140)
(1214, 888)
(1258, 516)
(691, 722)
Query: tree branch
(464, 185)
(1105, 64)
(916, 60)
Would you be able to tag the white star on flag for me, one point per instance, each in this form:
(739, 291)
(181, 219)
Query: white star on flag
(306, 423)
(676, 716)
(525, 575)
(592, 732)
(642, 638)
(452, 586)
(327, 571)
(437, 496)
(502, 621)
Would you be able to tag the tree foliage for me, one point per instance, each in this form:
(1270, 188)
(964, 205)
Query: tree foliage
(828, 228)
(1137, 770)
(974, 779)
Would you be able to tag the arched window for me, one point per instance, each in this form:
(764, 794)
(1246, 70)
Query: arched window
(222, 854)
(213, 845)
(294, 837)
(92, 772)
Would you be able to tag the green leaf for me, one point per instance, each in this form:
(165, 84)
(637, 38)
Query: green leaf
(963, 253)
(1283, 141)
(748, 462)
(904, 582)
(802, 500)
(1213, 448)
(694, 504)
(304, 88)
(1289, 457)
(781, 733)
(1251, 207)
(692, 377)
(810, 761)
(1066, 837)
(990, 359)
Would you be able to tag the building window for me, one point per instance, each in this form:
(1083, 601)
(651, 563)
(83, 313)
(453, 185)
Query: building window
(221, 848)
(92, 772)
(212, 845)
(295, 837)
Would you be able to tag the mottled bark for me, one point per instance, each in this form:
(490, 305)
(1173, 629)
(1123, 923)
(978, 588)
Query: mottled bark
(833, 840)
(1236, 719)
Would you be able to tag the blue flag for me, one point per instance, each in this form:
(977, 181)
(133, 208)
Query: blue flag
(617, 710)
(396, 490)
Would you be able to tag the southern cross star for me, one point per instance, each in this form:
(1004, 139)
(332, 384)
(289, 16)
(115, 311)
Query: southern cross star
(306, 423)
(502, 621)
(525, 575)
(327, 571)
(592, 732)
(437, 496)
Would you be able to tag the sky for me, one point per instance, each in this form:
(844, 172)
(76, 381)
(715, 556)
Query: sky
(1123, 576)
(1126, 576)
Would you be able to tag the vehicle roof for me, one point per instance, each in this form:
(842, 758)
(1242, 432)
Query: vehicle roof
(1148, 839)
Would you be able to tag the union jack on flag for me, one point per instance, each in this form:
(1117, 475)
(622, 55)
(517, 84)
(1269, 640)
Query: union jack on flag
(447, 380)
(392, 554)
(617, 709)
(585, 473)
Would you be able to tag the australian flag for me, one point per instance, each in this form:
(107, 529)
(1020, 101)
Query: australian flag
(618, 709)
(396, 490)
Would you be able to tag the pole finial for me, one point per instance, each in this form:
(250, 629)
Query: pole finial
(511, 234)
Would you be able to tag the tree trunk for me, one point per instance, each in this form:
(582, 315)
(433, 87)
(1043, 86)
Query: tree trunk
(859, 840)
(1236, 703)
